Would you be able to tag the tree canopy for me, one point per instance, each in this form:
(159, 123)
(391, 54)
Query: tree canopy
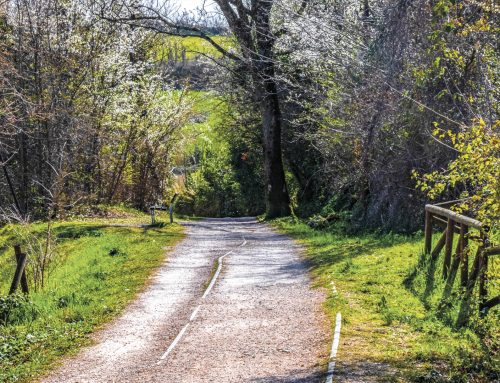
(359, 109)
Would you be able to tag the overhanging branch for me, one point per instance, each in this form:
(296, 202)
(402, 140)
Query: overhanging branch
(158, 23)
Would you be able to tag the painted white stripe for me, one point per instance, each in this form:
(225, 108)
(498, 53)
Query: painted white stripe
(335, 346)
(219, 269)
(195, 312)
(216, 275)
(174, 343)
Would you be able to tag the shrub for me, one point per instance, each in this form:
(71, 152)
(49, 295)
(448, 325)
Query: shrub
(16, 309)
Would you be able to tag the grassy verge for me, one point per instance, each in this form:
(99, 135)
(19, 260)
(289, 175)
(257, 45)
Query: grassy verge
(390, 330)
(97, 270)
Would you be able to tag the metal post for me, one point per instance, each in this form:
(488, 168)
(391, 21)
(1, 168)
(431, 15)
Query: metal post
(171, 208)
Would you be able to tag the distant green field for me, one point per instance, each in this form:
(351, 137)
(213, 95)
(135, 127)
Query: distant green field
(98, 269)
(193, 47)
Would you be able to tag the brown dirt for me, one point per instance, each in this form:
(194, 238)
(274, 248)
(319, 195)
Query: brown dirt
(261, 322)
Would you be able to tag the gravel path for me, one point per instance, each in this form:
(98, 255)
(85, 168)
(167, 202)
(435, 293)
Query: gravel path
(261, 321)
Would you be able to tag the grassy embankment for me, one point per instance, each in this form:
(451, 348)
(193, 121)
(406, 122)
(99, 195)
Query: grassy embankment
(390, 326)
(98, 269)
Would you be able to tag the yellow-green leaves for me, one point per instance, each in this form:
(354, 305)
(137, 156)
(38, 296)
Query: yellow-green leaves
(475, 171)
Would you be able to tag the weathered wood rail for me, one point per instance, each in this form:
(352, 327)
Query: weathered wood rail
(467, 229)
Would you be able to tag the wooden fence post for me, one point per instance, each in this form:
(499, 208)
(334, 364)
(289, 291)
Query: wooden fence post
(19, 275)
(428, 232)
(452, 272)
(486, 304)
(439, 246)
(24, 279)
(483, 281)
(464, 254)
(463, 315)
(448, 247)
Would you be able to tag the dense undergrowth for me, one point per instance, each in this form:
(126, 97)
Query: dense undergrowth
(380, 285)
(98, 269)
(221, 175)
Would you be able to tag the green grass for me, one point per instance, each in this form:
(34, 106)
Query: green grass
(376, 282)
(193, 46)
(99, 269)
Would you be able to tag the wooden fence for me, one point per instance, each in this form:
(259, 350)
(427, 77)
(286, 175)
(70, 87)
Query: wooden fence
(468, 229)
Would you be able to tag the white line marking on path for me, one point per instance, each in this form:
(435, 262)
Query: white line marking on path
(219, 268)
(174, 343)
(195, 312)
(216, 275)
(335, 346)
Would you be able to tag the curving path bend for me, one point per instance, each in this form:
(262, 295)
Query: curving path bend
(260, 321)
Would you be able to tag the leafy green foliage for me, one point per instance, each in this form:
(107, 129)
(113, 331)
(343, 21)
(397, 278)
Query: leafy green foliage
(177, 48)
(215, 190)
(218, 171)
(475, 171)
(16, 309)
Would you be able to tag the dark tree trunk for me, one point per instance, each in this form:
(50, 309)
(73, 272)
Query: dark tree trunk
(24, 165)
(9, 182)
(307, 184)
(277, 198)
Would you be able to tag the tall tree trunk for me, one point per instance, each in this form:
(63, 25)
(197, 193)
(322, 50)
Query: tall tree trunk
(277, 198)
(9, 182)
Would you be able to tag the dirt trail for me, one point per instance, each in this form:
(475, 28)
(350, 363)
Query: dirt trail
(261, 321)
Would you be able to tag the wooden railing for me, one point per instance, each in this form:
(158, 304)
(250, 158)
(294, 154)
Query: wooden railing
(468, 229)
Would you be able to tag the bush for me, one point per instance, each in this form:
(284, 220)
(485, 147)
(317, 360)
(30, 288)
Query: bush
(212, 189)
(16, 309)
